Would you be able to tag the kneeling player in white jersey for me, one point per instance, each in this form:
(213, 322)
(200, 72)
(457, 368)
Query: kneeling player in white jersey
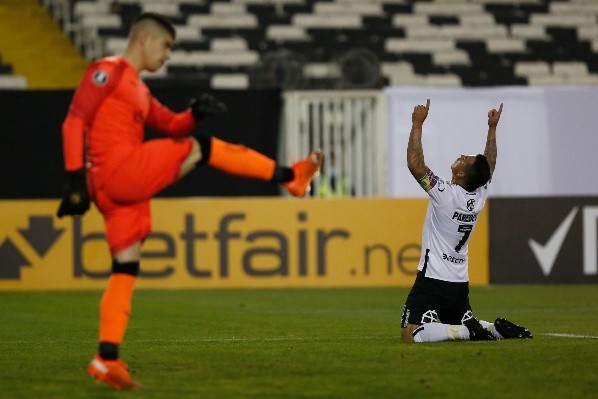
(437, 307)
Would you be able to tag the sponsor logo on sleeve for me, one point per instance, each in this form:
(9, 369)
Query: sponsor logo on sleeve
(441, 186)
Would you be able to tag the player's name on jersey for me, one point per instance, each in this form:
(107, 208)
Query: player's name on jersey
(464, 217)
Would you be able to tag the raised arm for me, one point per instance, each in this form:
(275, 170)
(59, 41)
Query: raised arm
(415, 151)
(490, 150)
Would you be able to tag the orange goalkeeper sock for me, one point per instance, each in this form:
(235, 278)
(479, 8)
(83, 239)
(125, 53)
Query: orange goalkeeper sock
(239, 160)
(115, 308)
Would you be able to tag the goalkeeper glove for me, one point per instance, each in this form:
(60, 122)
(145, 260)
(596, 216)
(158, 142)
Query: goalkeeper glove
(206, 105)
(75, 200)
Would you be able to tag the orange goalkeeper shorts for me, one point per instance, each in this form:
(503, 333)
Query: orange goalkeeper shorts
(124, 198)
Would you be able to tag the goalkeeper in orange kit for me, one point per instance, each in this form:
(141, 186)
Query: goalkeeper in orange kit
(108, 162)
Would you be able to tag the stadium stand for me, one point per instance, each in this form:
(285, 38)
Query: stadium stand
(40, 56)
(355, 43)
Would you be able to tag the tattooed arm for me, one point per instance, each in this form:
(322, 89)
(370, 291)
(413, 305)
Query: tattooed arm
(415, 151)
(490, 150)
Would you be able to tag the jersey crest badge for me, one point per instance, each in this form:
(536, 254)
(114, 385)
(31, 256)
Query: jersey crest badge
(470, 204)
(100, 77)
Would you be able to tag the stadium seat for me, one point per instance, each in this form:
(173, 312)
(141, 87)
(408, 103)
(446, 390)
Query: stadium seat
(285, 33)
(354, 8)
(419, 46)
(583, 80)
(114, 45)
(447, 8)
(12, 82)
(532, 68)
(570, 68)
(525, 31)
(184, 32)
(448, 80)
(503, 45)
(82, 8)
(238, 81)
(548, 80)
(451, 57)
(168, 9)
(327, 21)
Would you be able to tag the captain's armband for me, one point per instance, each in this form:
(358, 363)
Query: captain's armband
(428, 181)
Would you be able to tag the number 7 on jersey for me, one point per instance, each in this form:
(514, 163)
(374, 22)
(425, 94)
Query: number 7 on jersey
(466, 229)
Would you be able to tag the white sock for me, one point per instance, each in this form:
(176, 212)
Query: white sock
(458, 332)
(490, 327)
(438, 332)
(431, 332)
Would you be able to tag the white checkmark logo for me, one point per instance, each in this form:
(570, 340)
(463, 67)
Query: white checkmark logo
(546, 254)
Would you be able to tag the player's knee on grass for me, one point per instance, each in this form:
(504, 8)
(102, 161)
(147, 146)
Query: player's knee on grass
(407, 333)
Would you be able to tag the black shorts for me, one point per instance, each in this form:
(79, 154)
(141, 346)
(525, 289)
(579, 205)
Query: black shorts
(432, 300)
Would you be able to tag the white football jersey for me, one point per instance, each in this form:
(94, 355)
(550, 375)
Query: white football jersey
(450, 220)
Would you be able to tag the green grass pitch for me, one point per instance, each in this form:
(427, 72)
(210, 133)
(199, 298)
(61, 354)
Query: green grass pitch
(300, 343)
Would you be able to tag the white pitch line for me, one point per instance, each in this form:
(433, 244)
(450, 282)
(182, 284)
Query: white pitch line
(562, 335)
(275, 339)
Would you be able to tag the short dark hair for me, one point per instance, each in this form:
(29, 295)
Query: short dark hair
(478, 173)
(159, 19)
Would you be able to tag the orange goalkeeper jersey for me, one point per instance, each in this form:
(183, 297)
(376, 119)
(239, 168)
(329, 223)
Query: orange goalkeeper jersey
(107, 117)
